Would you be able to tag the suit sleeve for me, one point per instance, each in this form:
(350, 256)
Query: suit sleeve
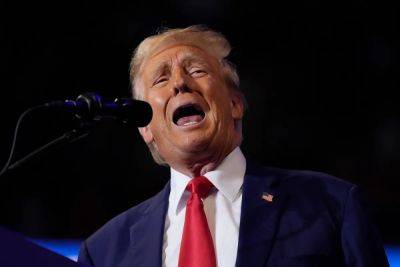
(361, 243)
(84, 256)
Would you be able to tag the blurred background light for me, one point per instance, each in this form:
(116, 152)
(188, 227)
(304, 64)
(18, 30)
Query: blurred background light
(70, 249)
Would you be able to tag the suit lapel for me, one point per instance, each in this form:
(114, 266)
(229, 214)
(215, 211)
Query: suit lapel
(147, 233)
(259, 217)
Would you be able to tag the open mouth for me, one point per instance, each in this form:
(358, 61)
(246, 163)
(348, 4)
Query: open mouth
(188, 115)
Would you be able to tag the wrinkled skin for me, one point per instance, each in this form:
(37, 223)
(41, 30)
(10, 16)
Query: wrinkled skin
(179, 75)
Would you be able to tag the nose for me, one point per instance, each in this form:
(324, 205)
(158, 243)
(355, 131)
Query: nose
(179, 84)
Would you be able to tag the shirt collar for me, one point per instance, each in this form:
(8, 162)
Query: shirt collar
(227, 178)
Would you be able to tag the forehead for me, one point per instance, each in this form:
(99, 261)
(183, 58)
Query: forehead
(178, 54)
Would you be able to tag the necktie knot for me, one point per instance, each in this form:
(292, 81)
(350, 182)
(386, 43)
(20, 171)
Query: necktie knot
(200, 185)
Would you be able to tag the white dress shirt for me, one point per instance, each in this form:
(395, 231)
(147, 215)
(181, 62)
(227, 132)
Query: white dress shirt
(222, 209)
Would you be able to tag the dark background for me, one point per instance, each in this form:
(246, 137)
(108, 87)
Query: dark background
(321, 82)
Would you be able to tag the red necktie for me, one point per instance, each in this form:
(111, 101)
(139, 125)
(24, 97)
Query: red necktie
(197, 248)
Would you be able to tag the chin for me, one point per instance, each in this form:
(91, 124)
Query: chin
(195, 143)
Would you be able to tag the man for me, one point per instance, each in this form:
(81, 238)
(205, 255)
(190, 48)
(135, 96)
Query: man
(218, 209)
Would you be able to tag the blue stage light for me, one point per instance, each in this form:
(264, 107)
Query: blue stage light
(70, 248)
(66, 247)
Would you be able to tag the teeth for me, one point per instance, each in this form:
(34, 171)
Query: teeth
(189, 123)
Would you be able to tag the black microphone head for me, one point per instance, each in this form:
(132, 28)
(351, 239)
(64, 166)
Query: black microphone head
(91, 106)
(134, 112)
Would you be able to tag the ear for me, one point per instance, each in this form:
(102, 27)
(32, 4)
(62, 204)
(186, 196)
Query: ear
(146, 134)
(237, 106)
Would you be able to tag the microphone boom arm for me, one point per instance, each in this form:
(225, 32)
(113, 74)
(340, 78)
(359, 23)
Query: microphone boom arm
(88, 107)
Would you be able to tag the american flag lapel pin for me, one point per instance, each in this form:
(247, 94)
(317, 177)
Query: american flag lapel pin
(268, 197)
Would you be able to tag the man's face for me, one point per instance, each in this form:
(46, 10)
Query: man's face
(194, 112)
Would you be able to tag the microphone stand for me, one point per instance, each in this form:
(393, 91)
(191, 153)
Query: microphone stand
(68, 137)
(87, 108)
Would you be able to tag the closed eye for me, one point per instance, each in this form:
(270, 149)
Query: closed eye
(160, 80)
(197, 73)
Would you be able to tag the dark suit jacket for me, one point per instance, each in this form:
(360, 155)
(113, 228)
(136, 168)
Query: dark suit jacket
(313, 220)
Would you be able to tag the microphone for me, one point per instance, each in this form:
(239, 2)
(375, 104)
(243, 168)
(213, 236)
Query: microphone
(90, 105)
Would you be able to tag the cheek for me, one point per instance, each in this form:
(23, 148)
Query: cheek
(211, 85)
(218, 97)
(157, 101)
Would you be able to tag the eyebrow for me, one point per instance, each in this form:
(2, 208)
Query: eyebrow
(160, 67)
(192, 58)
(187, 59)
